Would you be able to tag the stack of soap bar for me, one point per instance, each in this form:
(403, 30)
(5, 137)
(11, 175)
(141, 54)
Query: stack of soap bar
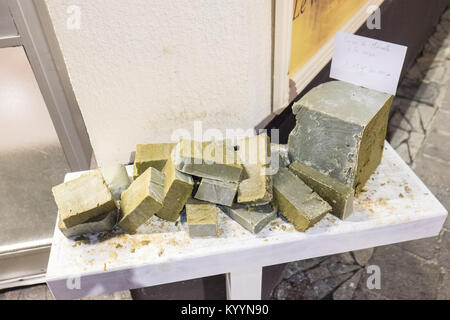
(102, 223)
(83, 199)
(298, 202)
(116, 177)
(201, 218)
(338, 195)
(142, 200)
(256, 188)
(254, 219)
(208, 160)
(215, 191)
(177, 190)
(151, 155)
(340, 131)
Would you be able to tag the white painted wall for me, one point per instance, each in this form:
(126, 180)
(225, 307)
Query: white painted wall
(142, 68)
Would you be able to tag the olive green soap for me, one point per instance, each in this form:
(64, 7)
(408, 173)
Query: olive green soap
(177, 190)
(215, 191)
(151, 155)
(340, 131)
(298, 202)
(102, 223)
(256, 187)
(279, 155)
(83, 198)
(142, 200)
(116, 177)
(213, 160)
(253, 219)
(202, 218)
(338, 195)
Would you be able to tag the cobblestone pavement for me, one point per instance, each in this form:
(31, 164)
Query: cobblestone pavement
(419, 129)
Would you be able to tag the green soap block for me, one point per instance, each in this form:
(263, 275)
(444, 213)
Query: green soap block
(177, 190)
(142, 200)
(215, 191)
(340, 131)
(298, 202)
(116, 177)
(254, 219)
(201, 218)
(338, 195)
(257, 188)
(102, 223)
(213, 160)
(82, 199)
(151, 155)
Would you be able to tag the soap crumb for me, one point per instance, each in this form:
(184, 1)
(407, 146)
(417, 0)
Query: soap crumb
(133, 250)
(401, 195)
(104, 267)
(160, 252)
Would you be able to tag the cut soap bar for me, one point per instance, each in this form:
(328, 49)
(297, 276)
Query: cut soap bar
(208, 160)
(215, 191)
(201, 218)
(338, 195)
(298, 202)
(256, 188)
(116, 177)
(102, 223)
(340, 131)
(177, 190)
(142, 200)
(254, 219)
(151, 155)
(82, 199)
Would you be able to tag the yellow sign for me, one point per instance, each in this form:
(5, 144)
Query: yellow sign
(314, 23)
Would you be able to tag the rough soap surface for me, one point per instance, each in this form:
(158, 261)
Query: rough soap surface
(298, 202)
(177, 190)
(82, 199)
(253, 219)
(202, 218)
(151, 155)
(116, 177)
(340, 131)
(102, 223)
(338, 195)
(215, 191)
(142, 200)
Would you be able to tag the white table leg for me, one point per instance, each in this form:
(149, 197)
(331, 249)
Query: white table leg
(244, 284)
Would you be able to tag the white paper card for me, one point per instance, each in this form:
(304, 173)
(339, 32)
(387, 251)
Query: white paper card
(367, 62)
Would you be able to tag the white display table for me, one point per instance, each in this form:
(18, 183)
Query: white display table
(396, 207)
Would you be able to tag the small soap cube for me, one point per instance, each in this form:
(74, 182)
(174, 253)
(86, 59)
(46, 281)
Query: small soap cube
(116, 177)
(202, 218)
(215, 191)
(142, 200)
(253, 219)
(298, 202)
(82, 199)
(151, 155)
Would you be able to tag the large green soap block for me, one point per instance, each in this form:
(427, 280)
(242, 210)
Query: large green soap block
(202, 218)
(279, 155)
(338, 195)
(102, 223)
(254, 219)
(151, 155)
(213, 160)
(116, 177)
(177, 190)
(215, 191)
(82, 199)
(298, 202)
(256, 187)
(340, 131)
(142, 200)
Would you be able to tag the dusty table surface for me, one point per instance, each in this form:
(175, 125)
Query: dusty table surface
(394, 207)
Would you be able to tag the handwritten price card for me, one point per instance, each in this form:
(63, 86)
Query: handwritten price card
(367, 62)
